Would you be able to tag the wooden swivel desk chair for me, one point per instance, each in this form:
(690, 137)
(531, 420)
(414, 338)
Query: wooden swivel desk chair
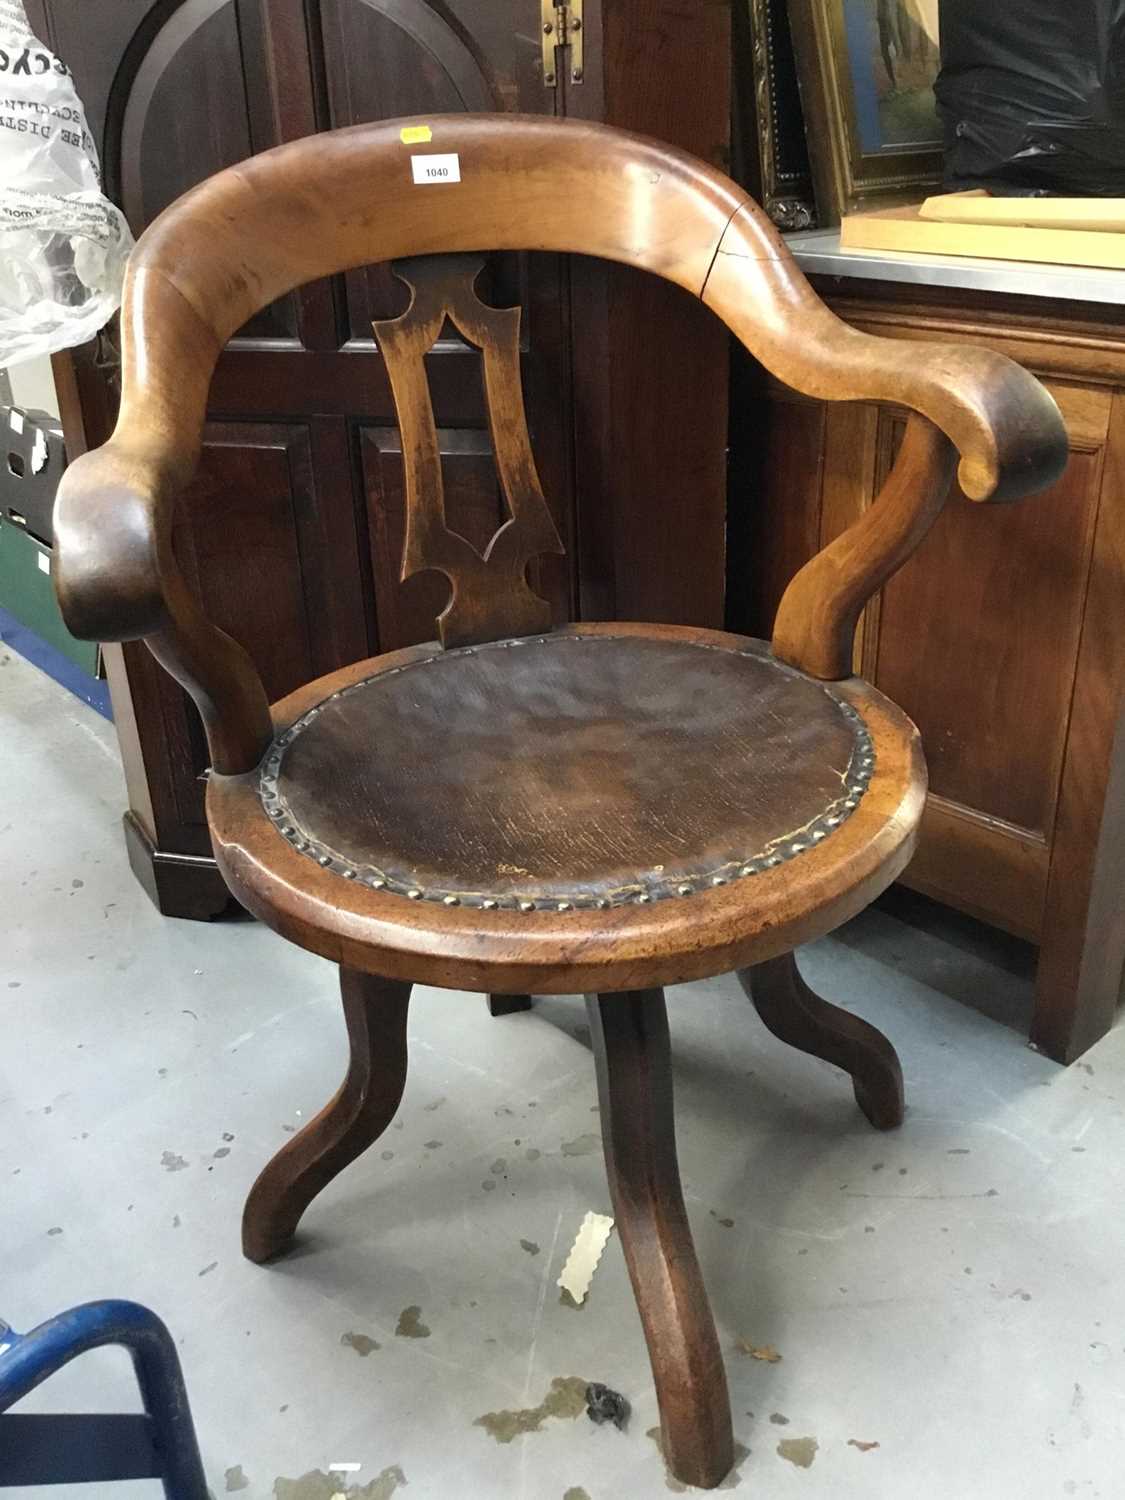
(599, 808)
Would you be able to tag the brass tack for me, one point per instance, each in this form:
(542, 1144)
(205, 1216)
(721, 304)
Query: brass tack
(527, 906)
(748, 870)
(565, 906)
(377, 882)
(718, 880)
(686, 890)
(414, 894)
(450, 901)
(643, 899)
(601, 903)
(348, 874)
(818, 834)
(289, 831)
(324, 859)
(490, 905)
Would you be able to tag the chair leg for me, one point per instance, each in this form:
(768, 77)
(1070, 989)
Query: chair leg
(634, 1066)
(795, 1014)
(363, 1107)
(508, 1005)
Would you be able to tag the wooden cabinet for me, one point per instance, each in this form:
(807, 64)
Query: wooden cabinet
(300, 486)
(1003, 637)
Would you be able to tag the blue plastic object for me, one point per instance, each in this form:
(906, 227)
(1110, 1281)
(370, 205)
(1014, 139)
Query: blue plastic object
(159, 1443)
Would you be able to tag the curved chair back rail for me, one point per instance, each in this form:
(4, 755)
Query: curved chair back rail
(347, 198)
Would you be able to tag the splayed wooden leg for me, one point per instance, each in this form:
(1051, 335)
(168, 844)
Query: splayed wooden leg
(633, 1057)
(797, 1015)
(375, 1013)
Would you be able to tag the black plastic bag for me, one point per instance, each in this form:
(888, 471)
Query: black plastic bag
(1032, 96)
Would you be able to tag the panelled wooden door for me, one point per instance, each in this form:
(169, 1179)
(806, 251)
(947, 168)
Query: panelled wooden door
(293, 529)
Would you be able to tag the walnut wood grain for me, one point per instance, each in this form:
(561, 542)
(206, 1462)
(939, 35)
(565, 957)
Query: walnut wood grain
(340, 200)
(548, 951)
(633, 1057)
(797, 1015)
(817, 618)
(365, 1104)
(489, 593)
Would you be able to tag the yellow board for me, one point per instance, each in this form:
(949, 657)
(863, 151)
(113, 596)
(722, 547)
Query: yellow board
(979, 207)
(904, 229)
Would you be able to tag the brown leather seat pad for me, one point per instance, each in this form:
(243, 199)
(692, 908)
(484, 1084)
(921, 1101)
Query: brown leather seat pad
(568, 768)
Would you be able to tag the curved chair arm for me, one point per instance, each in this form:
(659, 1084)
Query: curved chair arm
(119, 581)
(1004, 424)
(116, 575)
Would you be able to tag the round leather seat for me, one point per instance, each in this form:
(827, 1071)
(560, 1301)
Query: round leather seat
(594, 778)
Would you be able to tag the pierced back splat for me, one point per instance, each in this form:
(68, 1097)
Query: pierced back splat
(490, 597)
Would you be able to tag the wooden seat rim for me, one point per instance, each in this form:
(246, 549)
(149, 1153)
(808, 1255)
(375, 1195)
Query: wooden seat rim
(549, 952)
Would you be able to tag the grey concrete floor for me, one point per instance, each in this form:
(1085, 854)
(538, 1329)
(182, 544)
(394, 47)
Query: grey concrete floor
(947, 1301)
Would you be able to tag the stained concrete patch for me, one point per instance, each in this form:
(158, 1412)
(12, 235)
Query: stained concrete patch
(764, 1352)
(582, 1145)
(235, 1479)
(863, 1447)
(565, 1400)
(800, 1451)
(360, 1342)
(433, 1145)
(171, 1162)
(317, 1485)
(778, 1420)
(529, 1245)
(410, 1325)
(576, 1492)
(678, 1487)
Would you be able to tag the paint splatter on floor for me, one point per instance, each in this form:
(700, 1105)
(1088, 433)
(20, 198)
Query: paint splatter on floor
(235, 1479)
(173, 1163)
(765, 1352)
(410, 1325)
(206, 1271)
(360, 1342)
(566, 1400)
(799, 1451)
(576, 1492)
(863, 1447)
(317, 1485)
(530, 1246)
(778, 1420)
(582, 1145)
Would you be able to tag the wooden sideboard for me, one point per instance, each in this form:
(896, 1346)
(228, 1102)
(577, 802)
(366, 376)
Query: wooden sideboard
(1003, 637)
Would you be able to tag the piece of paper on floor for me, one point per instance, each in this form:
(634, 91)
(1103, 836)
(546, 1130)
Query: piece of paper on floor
(584, 1255)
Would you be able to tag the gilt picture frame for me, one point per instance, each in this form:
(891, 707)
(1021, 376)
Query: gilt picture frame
(770, 121)
(866, 70)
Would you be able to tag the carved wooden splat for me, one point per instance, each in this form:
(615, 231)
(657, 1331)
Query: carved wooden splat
(490, 596)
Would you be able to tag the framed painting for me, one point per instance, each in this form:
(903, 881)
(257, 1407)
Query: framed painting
(771, 148)
(867, 70)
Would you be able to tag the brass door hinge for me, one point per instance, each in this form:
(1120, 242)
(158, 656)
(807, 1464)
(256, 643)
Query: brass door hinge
(562, 29)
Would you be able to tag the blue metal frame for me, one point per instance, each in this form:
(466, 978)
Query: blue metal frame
(55, 1449)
